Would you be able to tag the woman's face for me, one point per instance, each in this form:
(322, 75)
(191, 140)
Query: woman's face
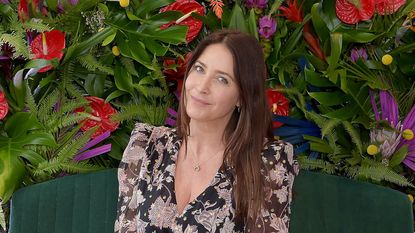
(211, 86)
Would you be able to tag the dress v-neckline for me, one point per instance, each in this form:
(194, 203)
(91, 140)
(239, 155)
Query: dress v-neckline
(178, 144)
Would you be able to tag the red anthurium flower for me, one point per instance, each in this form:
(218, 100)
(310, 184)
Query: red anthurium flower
(176, 74)
(23, 9)
(387, 7)
(292, 11)
(186, 7)
(354, 11)
(48, 45)
(4, 106)
(100, 115)
(278, 104)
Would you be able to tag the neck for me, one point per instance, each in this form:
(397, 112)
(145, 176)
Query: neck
(207, 136)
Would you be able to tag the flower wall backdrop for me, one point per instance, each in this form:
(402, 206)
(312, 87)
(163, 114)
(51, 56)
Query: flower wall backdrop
(76, 75)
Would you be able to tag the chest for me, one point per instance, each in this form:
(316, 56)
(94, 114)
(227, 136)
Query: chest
(157, 205)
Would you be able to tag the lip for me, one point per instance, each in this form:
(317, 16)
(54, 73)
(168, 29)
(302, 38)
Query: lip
(199, 100)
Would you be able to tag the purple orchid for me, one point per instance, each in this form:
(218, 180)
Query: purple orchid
(84, 153)
(171, 119)
(393, 141)
(4, 1)
(267, 27)
(260, 4)
(355, 54)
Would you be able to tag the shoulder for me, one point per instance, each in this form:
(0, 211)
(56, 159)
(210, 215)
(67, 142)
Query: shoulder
(144, 131)
(279, 154)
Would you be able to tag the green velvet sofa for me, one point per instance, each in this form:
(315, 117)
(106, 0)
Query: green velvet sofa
(322, 204)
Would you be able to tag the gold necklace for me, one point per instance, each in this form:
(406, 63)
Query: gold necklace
(196, 166)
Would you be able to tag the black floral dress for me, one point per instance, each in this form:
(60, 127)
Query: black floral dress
(147, 203)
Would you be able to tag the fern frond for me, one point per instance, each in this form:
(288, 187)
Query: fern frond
(379, 173)
(155, 115)
(329, 125)
(129, 65)
(354, 135)
(316, 164)
(30, 101)
(19, 45)
(69, 150)
(71, 105)
(79, 167)
(60, 121)
(92, 64)
(35, 25)
(46, 106)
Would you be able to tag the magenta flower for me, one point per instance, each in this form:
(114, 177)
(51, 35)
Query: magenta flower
(256, 3)
(355, 54)
(73, 2)
(267, 27)
(390, 113)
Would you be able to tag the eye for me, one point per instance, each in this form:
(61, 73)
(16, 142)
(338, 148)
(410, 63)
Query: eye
(198, 68)
(223, 80)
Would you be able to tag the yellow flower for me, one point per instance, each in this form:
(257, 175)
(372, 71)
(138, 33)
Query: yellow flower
(387, 59)
(124, 3)
(372, 149)
(411, 198)
(115, 51)
(408, 134)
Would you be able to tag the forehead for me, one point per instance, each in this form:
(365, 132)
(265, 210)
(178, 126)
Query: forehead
(218, 57)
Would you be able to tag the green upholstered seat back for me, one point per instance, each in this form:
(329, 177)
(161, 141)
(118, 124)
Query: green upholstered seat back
(322, 204)
(332, 204)
(76, 204)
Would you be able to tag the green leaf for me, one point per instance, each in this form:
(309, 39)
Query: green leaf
(149, 5)
(131, 16)
(359, 37)
(398, 156)
(19, 123)
(95, 84)
(123, 80)
(237, 20)
(315, 79)
(83, 47)
(109, 39)
(327, 10)
(38, 63)
(115, 94)
(336, 48)
(252, 24)
(38, 138)
(12, 171)
(318, 23)
(172, 35)
(155, 47)
(329, 98)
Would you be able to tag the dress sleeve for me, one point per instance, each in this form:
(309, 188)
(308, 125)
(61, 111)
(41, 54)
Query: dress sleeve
(128, 172)
(280, 173)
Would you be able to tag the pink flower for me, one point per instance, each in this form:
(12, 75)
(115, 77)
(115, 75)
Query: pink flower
(267, 27)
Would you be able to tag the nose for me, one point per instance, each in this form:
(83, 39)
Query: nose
(203, 86)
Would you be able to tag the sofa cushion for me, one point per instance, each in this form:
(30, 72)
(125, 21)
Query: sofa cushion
(87, 203)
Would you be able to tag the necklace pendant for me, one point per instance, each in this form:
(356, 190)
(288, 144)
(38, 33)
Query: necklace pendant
(196, 168)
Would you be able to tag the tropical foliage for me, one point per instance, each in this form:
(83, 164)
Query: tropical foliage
(76, 75)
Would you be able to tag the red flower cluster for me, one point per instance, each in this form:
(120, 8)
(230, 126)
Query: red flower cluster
(101, 114)
(48, 45)
(4, 106)
(176, 74)
(278, 104)
(186, 6)
(354, 11)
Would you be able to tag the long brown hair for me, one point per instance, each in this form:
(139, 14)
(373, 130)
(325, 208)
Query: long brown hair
(247, 128)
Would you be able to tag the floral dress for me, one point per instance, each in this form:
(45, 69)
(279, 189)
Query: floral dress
(147, 202)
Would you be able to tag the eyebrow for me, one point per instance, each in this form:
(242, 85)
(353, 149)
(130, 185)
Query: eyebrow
(221, 72)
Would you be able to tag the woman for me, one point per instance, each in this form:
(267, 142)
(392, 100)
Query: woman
(220, 170)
